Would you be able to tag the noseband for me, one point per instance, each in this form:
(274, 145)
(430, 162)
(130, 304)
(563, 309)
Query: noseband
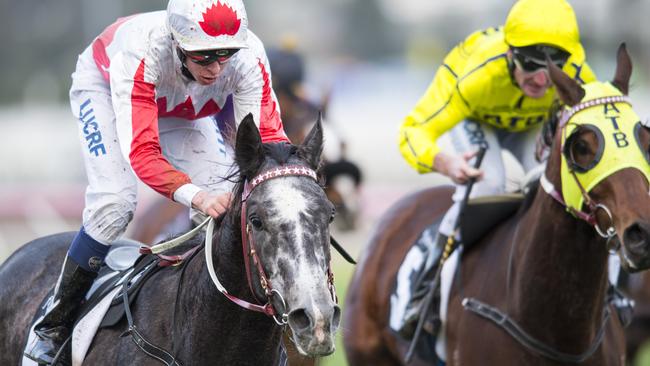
(250, 251)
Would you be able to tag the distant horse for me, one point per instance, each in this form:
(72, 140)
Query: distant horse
(282, 217)
(161, 219)
(343, 177)
(533, 290)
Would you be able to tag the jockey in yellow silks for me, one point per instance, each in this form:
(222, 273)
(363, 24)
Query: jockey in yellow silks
(493, 91)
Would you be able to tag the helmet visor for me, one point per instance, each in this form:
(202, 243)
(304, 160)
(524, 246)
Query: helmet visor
(208, 57)
(533, 58)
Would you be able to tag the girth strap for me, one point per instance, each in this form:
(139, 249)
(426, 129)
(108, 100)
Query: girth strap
(509, 325)
(146, 346)
(150, 348)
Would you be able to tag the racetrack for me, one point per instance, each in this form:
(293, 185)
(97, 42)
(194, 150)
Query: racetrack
(41, 175)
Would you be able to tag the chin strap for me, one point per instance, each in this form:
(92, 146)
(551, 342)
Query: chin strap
(187, 73)
(184, 70)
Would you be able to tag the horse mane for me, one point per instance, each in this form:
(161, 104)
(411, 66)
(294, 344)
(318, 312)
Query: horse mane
(280, 152)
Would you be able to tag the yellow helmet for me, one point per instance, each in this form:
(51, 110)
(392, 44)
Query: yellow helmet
(549, 22)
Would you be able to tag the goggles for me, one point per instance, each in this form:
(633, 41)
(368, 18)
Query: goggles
(533, 58)
(205, 58)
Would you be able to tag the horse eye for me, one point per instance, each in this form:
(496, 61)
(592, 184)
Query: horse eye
(584, 148)
(256, 222)
(332, 215)
(580, 147)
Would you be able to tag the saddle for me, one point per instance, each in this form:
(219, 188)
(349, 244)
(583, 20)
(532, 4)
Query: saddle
(104, 305)
(482, 214)
(142, 267)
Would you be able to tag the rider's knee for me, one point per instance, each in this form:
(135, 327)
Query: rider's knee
(489, 185)
(107, 221)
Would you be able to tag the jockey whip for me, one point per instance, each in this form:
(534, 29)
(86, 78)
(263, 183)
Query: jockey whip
(449, 248)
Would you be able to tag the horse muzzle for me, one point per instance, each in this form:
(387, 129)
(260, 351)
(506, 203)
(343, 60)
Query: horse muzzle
(313, 328)
(636, 247)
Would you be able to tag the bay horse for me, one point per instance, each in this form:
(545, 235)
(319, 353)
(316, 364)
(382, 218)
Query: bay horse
(286, 228)
(533, 290)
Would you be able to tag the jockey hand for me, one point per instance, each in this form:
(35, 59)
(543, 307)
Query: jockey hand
(211, 204)
(458, 168)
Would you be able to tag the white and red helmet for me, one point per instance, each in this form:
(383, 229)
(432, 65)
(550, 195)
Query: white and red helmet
(208, 24)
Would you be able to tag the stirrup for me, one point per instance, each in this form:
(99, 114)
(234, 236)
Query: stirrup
(61, 358)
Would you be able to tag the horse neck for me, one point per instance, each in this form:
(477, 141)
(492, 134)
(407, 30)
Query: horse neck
(214, 327)
(559, 277)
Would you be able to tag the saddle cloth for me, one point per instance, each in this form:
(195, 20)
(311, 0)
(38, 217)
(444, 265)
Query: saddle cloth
(104, 306)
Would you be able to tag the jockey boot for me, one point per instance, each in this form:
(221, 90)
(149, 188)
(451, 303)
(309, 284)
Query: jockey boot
(420, 290)
(623, 305)
(55, 327)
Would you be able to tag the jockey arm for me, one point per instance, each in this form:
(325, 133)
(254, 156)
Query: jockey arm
(443, 105)
(136, 115)
(440, 109)
(133, 91)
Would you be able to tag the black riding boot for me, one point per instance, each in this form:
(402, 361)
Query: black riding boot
(53, 330)
(421, 289)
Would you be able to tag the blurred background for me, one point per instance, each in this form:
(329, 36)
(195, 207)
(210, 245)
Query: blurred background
(371, 59)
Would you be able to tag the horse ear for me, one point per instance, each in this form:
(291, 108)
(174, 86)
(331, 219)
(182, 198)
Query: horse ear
(312, 146)
(569, 91)
(249, 154)
(623, 69)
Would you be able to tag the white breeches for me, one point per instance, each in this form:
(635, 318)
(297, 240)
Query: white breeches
(194, 147)
(469, 136)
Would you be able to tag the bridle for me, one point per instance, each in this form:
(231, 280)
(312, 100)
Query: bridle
(592, 207)
(250, 252)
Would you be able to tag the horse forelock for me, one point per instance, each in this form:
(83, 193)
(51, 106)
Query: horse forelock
(280, 152)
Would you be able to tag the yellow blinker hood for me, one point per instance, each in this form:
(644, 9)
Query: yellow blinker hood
(617, 122)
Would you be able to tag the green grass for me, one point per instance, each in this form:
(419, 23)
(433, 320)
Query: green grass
(643, 356)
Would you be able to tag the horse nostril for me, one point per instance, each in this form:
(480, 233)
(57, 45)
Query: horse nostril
(300, 319)
(636, 237)
(336, 317)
